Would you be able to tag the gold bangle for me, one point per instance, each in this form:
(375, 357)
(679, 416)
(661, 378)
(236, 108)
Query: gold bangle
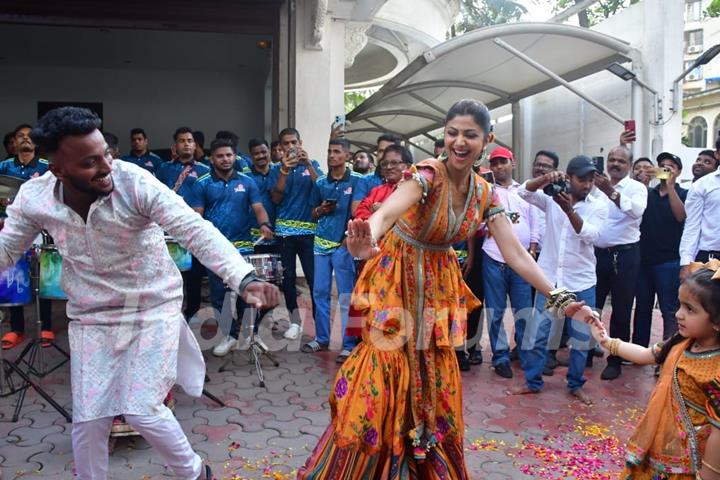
(615, 347)
(711, 468)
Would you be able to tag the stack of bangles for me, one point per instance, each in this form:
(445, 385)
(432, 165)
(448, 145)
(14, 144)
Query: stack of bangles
(709, 467)
(558, 301)
(613, 346)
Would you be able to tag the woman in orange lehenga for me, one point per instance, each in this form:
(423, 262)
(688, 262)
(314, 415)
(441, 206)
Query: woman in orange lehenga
(396, 404)
(678, 437)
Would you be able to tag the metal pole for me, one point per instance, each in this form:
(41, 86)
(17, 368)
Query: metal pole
(504, 45)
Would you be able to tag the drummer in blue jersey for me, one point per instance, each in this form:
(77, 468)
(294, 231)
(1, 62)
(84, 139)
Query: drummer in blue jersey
(224, 197)
(139, 153)
(26, 164)
(180, 176)
(260, 172)
(335, 197)
(294, 226)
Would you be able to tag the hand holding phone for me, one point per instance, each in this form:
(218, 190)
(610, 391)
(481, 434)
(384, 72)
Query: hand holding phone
(629, 135)
(291, 158)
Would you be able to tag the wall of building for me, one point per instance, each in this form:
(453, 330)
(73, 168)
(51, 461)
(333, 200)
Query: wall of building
(157, 100)
(560, 121)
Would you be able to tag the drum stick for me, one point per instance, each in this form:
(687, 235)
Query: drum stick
(258, 241)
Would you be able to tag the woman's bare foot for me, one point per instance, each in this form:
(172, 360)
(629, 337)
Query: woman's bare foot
(521, 390)
(582, 396)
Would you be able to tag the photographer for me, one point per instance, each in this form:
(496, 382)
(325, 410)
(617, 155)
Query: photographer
(574, 220)
(294, 226)
(660, 233)
(618, 247)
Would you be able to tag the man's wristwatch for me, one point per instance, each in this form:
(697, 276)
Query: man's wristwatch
(247, 280)
(614, 195)
(267, 224)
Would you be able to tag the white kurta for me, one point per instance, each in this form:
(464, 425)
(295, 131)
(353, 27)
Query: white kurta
(124, 291)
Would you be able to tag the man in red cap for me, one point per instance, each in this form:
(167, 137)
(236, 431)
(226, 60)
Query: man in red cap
(500, 280)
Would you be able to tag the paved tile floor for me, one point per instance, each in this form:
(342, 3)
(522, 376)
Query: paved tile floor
(268, 432)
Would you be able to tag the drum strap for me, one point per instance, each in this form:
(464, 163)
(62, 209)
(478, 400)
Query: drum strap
(183, 175)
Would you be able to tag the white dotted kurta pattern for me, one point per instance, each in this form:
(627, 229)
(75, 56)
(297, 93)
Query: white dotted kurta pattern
(124, 291)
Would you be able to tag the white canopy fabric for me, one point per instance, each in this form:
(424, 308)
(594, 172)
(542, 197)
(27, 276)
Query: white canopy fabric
(475, 65)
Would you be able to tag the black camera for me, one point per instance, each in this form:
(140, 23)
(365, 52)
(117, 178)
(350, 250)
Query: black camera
(556, 188)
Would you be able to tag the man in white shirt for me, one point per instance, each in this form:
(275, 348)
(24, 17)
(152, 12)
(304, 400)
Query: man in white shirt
(499, 279)
(617, 249)
(545, 162)
(701, 237)
(129, 341)
(574, 221)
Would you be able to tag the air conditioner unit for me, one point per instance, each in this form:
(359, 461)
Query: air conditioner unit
(694, 49)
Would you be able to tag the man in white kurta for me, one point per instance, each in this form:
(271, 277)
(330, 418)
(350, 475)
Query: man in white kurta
(124, 292)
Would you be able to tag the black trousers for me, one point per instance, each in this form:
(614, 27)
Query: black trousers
(192, 281)
(302, 247)
(17, 316)
(617, 272)
(475, 282)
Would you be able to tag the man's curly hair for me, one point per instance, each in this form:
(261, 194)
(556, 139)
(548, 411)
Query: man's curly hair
(63, 122)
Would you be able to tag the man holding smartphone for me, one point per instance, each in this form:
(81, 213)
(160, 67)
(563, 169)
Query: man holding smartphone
(335, 196)
(660, 233)
(294, 226)
(617, 249)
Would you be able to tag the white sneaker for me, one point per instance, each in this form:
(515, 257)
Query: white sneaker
(224, 347)
(293, 332)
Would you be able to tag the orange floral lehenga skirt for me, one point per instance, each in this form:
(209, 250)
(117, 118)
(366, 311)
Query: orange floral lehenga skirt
(396, 404)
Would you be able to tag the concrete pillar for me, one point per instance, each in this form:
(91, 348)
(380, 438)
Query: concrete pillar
(319, 80)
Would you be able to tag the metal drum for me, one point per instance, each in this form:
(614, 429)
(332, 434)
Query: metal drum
(15, 287)
(50, 273)
(179, 254)
(268, 266)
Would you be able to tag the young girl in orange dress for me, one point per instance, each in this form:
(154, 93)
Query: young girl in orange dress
(678, 437)
(396, 405)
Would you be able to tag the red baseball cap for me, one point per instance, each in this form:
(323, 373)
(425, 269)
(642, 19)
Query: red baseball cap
(501, 152)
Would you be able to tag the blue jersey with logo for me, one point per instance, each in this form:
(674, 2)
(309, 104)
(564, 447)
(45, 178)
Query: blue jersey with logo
(228, 206)
(12, 167)
(294, 213)
(149, 161)
(331, 228)
(169, 172)
(264, 184)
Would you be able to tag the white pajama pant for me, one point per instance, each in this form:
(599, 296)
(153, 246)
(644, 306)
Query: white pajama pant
(163, 433)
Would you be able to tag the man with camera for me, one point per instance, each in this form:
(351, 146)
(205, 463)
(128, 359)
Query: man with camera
(618, 247)
(660, 233)
(574, 221)
(294, 226)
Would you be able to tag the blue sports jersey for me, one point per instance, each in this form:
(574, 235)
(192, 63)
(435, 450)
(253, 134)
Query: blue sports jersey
(12, 167)
(294, 213)
(264, 184)
(331, 228)
(169, 172)
(228, 206)
(149, 161)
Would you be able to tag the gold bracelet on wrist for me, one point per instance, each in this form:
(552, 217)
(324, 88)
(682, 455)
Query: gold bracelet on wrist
(711, 468)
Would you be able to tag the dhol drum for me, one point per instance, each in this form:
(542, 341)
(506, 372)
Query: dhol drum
(179, 254)
(268, 266)
(15, 285)
(50, 273)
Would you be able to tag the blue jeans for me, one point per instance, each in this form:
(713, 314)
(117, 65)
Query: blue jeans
(538, 337)
(342, 263)
(663, 280)
(499, 282)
